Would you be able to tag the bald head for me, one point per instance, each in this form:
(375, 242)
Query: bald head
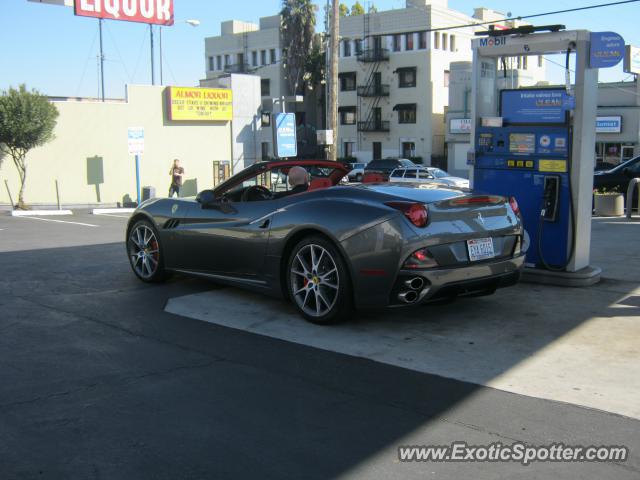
(298, 176)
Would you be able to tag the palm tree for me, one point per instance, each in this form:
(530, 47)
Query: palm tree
(297, 30)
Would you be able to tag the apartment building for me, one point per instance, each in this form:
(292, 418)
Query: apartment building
(394, 74)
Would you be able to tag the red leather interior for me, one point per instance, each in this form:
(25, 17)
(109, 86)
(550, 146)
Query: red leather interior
(318, 183)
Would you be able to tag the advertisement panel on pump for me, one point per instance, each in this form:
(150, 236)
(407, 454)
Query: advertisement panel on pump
(158, 12)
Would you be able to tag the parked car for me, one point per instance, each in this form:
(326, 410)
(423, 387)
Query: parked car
(357, 171)
(618, 177)
(321, 247)
(445, 177)
(427, 174)
(386, 165)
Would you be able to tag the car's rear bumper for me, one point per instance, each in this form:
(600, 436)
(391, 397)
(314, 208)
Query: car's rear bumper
(484, 277)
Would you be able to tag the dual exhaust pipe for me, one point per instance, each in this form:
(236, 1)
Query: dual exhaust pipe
(410, 296)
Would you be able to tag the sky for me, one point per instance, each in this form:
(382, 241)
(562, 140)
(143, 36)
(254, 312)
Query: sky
(49, 49)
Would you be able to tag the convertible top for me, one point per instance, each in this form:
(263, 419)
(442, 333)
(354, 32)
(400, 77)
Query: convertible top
(339, 171)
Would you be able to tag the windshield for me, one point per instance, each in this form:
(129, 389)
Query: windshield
(436, 172)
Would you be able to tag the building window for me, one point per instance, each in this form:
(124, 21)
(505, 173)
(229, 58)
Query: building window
(346, 46)
(436, 40)
(263, 57)
(265, 119)
(358, 43)
(406, 77)
(348, 148)
(408, 149)
(452, 43)
(265, 150)
(409, 41)
(219, 62)
(406, 112)
(540, 61)
(347, 81)
(447, 75)
(422, 40)
(211, 66)
(444, 41)
(227, 61)
(347, 115)
(397, 43)
(254, 58)
(265, 87)
(272, 54)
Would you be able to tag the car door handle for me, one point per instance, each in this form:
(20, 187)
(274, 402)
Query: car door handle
(265, 224)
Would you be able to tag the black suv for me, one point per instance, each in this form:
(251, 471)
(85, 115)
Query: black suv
(619, 176)
(387, 165)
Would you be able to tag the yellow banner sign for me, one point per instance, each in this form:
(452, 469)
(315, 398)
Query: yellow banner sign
(203, 104)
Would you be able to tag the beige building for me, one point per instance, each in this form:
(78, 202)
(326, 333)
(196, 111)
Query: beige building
(89, 155)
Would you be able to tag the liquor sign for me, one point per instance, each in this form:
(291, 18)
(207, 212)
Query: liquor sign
(158, 12)
(200, 104)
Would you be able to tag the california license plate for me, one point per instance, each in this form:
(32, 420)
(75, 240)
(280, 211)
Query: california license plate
(480, 249)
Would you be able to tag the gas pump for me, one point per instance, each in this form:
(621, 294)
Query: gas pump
(538, 145)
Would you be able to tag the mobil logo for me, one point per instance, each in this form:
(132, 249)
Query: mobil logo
(493, 41)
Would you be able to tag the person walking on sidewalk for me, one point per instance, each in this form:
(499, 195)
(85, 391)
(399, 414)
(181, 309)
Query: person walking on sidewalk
(176, 172)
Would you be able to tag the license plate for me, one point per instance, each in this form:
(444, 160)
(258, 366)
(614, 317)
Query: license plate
(480, 249)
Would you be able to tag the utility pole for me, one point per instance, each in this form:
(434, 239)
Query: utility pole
(333, 77)
(153, 68)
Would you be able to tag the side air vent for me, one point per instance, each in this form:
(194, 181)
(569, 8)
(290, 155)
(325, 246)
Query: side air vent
(170, 224)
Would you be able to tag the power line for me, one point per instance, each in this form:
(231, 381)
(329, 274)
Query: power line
(535, 15)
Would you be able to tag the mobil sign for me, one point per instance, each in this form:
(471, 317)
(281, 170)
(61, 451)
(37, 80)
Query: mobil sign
(159, 12)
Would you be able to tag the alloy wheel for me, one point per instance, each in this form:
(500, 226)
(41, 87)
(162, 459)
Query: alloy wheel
(315, 280)
(144, 251)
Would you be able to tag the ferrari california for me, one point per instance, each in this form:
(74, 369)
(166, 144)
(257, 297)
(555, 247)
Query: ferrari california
(331, 248)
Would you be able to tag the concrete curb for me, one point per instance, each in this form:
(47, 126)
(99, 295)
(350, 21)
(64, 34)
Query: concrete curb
(33, 213)
(101, 211)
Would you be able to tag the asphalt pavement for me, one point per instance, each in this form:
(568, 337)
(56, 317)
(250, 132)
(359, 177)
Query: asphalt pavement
(98, 381)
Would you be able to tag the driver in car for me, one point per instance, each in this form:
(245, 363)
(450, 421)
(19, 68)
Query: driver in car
(298, 180)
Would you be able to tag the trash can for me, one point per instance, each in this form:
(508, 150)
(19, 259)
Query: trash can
(148, 192)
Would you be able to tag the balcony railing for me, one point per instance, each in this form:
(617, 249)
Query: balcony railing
(373, 126)
(237, 68)
(373, 55)
(373, 91)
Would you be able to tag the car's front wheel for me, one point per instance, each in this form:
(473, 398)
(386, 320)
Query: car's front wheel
(318, 281)
(145, 252)
(358, 177)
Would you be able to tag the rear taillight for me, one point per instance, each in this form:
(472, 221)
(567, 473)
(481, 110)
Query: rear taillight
(514, 205)
(417, 213)
(420, 259)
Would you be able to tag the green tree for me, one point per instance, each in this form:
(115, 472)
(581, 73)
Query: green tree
(27, 120)
(297, 30)
(357, 9)
(344, 10)
(373, 9)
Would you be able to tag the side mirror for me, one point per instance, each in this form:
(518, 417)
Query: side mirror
(205, 197)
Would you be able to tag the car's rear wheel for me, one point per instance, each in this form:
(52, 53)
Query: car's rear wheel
(145, 252)
(318, 281)
(358, 177)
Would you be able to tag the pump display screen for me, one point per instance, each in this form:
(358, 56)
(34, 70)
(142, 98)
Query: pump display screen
(535, 106)
(522, 143)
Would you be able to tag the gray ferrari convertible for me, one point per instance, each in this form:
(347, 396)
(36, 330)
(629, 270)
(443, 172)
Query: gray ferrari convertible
(329, 247)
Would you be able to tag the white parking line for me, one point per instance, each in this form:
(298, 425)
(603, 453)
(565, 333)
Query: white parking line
(61, 221)
(111, 215)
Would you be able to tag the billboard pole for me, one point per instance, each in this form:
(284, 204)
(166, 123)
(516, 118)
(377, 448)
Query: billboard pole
(101, 59)
(153, 74)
